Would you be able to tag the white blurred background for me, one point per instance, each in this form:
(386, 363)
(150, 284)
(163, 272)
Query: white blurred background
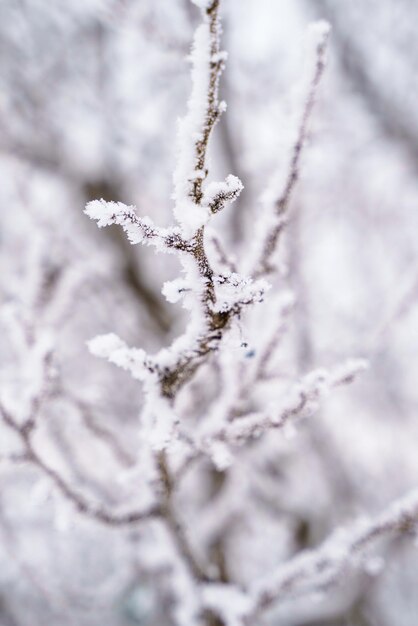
(90, 94)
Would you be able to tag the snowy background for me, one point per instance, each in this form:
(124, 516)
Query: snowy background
(90, 95)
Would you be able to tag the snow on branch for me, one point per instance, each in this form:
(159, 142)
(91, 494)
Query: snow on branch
(218, 194)
(137, 229)
(276, 219)
(223, 258)
(301, 401)
(315, 571)
(133, 360)
(214, 301)
(191, 209)
(319, 569)
(30, 454)
(234, 291)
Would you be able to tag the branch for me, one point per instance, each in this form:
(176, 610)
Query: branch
(104, 435)
(378, 95)
(222, 257)
(218, 194)
(301, 401)
(285, 308)
(171, 518)
(137, 229)
(194, 204)
(204, 110)
(344, 549)
(25, 433)
(204, 107)
(278, 220)
(134, 360)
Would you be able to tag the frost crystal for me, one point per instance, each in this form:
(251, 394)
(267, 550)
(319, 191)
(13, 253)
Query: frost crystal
(174, 290)
(234, 290)
(217, 194)
(134, 360)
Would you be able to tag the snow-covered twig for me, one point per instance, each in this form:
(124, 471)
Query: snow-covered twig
(301, 401)
(25, 433)
(204, 110)
(276, 222)
(218, 194)
(222, 257)
(133, 360)
(216, 301)
(212, 307)
(318, 569)
(314, 571)
(137, 229)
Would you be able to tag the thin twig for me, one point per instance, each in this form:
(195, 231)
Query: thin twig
(322, 568)
(281, 206)
(175, 526)
(25, 433)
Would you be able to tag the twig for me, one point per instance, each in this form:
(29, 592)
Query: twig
(171, 518)
(25, 432)
(323, 567)
(263, 265)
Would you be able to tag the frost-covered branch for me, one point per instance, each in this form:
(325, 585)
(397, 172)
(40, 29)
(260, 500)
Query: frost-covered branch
(223, 259)
(25, 432)
(101, 432)
(171, 517)
(137, 229)
(218, 194)
(318, 569)
(276, 221)
(301, 401)
(213, 300)
(314, 571)
(286, 306)
(204, 110)
(133, 360)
